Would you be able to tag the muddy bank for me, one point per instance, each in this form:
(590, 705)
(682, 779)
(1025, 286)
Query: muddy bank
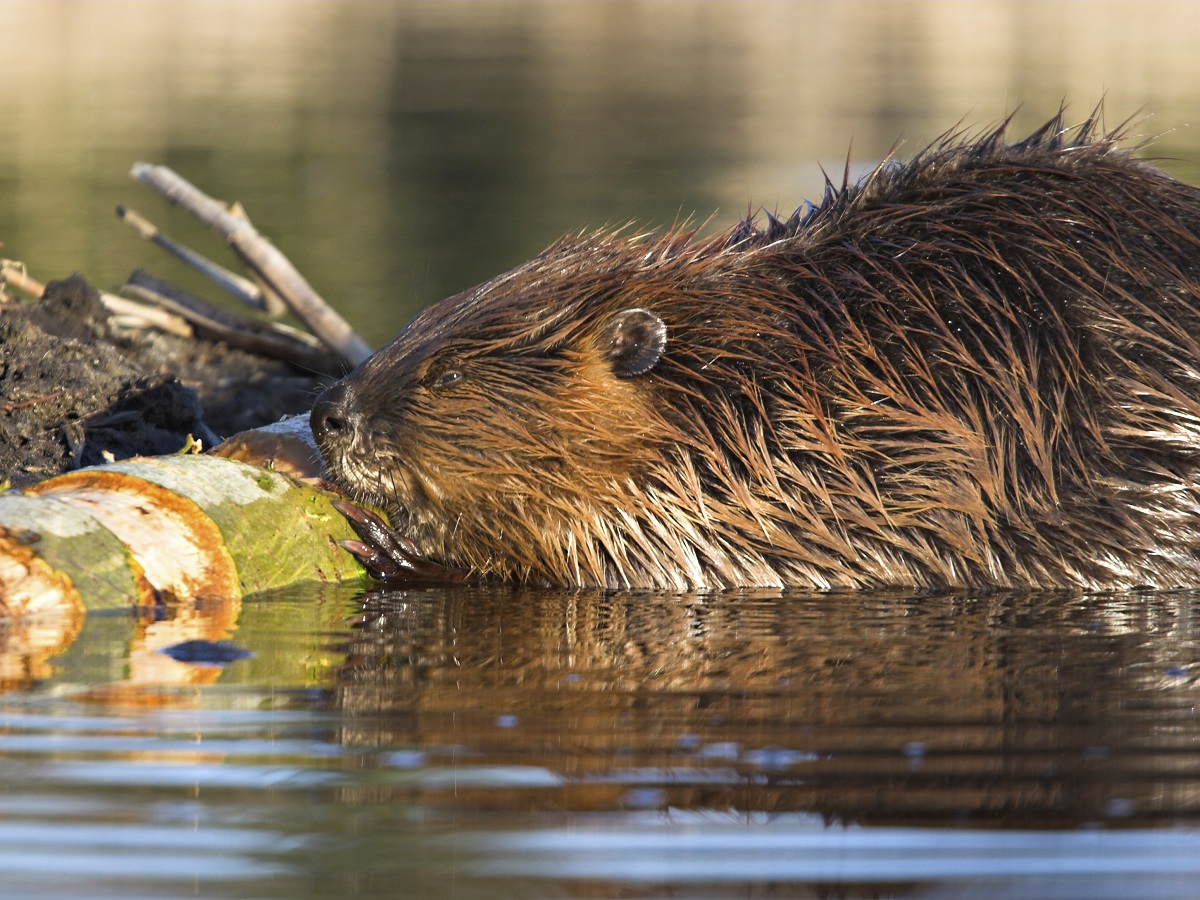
(76, 388)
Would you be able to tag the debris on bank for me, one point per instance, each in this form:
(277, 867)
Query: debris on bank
(88, 377)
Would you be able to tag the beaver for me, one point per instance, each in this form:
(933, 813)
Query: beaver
(976, 369)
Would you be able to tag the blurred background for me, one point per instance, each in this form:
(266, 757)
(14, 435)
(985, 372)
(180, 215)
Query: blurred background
(400, 152)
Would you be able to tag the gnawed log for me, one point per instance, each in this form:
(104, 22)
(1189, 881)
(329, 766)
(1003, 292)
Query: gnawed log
(170, 527)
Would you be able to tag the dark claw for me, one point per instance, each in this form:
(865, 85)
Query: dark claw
(388, 556)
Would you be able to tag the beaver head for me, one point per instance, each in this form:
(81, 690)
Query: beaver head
(541, 425)
(973, 369)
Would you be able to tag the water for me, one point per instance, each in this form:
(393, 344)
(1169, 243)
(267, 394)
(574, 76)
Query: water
(486, 743)
(399, 153)
(539, 744)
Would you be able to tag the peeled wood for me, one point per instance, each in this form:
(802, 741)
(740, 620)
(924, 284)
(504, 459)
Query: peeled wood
(13, 274)
(182, 527)
(214, 323)
(235, 285)
(261, 257)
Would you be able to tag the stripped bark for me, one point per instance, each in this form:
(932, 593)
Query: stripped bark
(171, 527)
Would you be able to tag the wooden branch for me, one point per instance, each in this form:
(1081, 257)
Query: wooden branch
(269, 339)
(241, 289)
(139, 315)
(262, 257)
(13, 274)
(125, 312)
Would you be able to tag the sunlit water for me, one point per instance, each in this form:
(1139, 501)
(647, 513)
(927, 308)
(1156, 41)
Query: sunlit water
(491, 744)
(402, 152)
(509, 743)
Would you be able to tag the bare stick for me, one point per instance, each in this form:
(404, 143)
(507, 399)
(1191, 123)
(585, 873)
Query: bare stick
(261, 256)
(235, 285)
(14, 274)
(269, 339)
(139, 315)
(127, 312)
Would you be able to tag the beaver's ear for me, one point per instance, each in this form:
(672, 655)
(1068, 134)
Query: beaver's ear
(633, 340)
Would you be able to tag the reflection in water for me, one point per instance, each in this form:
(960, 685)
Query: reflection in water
(1012, 710)
(519, 743)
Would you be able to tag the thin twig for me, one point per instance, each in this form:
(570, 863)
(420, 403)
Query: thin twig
(126, 312)
(242, 289)
(129, 312)
(262, 257)
(9, 407)
(270, 339)
(13, 274)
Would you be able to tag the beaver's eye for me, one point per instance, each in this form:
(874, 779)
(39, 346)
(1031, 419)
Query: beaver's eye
(447, 378)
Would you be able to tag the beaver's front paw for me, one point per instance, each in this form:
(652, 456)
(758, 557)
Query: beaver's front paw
(388, 556)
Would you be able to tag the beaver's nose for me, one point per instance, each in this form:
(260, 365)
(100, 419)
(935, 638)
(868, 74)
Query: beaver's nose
(335, 415)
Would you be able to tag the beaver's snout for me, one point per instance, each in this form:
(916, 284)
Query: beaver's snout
(335, 416)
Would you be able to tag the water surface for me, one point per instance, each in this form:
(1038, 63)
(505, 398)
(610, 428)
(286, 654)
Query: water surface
(472, 743)
(402, 152)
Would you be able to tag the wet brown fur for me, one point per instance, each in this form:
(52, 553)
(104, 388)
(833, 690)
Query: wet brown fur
(978, 368)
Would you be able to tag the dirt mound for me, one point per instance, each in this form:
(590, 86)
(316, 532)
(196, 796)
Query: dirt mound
(75, 387)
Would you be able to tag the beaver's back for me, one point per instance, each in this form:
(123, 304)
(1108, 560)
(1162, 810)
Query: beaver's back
(977, 368)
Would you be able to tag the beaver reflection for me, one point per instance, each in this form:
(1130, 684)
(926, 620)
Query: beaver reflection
(977, 368)
(1009, 710)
